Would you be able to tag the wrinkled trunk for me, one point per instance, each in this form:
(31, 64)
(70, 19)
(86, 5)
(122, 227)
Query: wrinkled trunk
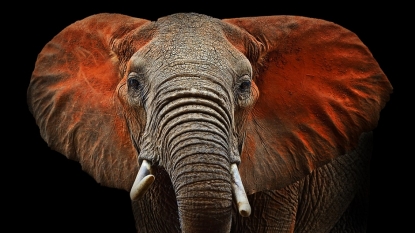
(203, 189)
(199, 167)
(190, 134)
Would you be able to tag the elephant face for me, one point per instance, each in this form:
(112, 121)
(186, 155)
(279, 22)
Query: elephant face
(188, 91)
(184, 74)
(225, 107)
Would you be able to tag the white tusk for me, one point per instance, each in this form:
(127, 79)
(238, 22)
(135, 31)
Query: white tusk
(239, 192)
(142, 182)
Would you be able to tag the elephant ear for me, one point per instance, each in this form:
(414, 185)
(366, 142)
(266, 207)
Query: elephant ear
(319, 89)
(73, 96)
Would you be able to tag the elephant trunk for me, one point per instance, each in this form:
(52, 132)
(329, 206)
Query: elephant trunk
(203, 189)
(191, 134)
(196, 128)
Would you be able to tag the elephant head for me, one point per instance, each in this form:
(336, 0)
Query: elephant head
(225, 108)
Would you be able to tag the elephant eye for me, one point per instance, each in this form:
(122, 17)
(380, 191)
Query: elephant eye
(245, 86)
(245, 91)
(134, 84)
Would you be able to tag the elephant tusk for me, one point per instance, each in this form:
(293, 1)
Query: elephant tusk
(142, 182)
(239, 192)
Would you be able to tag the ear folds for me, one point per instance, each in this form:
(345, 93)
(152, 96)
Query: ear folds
(73, 96)
(319, 89)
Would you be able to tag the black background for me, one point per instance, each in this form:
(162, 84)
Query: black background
(49, 193)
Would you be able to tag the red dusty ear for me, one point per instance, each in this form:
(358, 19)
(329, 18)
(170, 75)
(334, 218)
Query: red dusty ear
(319, 89)
(73, 96)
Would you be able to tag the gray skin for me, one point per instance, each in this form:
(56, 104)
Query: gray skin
(191, 102)
(182, 90)
(333, 198)
(190, 131)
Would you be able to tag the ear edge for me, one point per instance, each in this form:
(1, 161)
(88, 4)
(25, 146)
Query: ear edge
(80, 64)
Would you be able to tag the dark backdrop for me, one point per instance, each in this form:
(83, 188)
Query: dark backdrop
(51, 194)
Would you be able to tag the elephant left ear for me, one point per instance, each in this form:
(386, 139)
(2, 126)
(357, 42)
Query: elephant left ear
(319, 89)
(73, 95)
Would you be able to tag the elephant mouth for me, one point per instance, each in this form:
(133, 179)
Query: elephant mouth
(145, 178)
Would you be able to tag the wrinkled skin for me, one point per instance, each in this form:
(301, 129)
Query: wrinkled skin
(304, 206)
(285, 99)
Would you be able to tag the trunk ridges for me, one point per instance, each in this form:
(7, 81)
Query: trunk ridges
(201, 179)
(192, 131)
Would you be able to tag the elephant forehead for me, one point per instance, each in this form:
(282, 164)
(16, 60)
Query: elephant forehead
(177, 25)
(193, 36)
(191, 44)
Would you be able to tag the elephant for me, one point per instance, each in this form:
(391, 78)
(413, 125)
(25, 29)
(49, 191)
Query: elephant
(251, 124)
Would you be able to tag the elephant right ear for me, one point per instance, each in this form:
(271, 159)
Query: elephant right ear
(319, 89)
(73, 95)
